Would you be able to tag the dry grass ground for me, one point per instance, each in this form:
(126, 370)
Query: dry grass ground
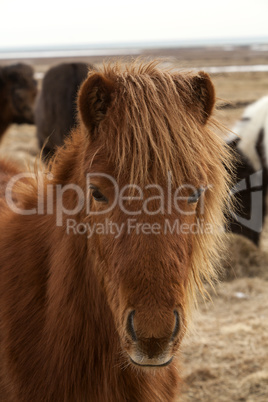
(225, 357)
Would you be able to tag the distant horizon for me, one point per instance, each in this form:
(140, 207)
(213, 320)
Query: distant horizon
(145, 44)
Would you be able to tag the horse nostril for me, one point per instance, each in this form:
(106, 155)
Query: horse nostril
(130, 326)
(177, 325)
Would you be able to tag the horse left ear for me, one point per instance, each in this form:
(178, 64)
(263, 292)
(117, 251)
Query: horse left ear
(204, 94)
(93, 100)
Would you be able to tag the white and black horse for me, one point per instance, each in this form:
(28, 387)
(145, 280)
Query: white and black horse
(251, 146)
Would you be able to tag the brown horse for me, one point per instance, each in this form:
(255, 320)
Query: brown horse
(18, 90)
(88, 313)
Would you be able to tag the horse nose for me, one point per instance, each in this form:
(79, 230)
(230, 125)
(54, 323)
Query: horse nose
(152, 338)
(132, 331)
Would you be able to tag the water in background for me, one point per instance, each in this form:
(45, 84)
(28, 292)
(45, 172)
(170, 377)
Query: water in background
(135, 49)
(129, 48)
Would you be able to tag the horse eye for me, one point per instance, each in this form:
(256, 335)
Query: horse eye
(195, 196)
(98, 196)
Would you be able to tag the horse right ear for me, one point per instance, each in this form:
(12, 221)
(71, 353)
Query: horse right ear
(203, 95)
(94, 99)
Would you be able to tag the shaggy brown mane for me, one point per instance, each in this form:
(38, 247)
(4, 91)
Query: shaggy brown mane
(139, 140)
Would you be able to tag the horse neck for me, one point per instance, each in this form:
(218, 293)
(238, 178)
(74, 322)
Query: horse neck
(77, 308)
(71, 253)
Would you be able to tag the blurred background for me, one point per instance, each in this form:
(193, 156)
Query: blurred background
(225, 357)
(228, 40)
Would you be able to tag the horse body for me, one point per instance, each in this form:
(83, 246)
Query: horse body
(252, 129)
(252, 155)
(102, 318)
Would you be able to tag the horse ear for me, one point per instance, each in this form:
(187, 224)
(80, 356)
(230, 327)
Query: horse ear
(204, 94)
(94, 99)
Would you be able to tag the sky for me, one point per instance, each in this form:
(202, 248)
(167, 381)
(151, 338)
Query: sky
(33, 23)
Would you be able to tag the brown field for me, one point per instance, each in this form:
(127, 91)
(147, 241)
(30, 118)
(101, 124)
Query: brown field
(225, 355)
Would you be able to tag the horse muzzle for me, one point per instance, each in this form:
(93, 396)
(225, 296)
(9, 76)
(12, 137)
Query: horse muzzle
(151, 351)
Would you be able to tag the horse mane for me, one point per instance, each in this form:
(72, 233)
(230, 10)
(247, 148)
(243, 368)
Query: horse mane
(153, 125)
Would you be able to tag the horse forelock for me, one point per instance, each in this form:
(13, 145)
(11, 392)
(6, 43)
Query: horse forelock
(152, 127)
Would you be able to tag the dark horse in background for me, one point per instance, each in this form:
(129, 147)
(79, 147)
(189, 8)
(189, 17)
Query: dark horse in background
(55, 110)
(18, 90)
